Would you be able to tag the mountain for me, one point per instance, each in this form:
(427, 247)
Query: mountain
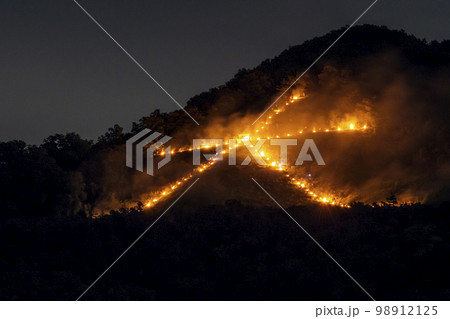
(393, 77)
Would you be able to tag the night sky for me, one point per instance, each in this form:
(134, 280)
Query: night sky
(60, 73)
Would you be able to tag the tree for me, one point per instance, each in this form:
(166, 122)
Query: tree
(68, 150)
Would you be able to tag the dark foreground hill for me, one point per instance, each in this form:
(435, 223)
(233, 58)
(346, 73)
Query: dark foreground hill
(230, 252)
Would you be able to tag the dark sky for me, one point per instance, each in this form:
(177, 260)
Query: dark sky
(61, 73)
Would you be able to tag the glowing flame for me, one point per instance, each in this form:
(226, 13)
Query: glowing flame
(353, 124)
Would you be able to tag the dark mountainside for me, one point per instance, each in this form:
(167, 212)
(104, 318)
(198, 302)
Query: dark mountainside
(54, 249)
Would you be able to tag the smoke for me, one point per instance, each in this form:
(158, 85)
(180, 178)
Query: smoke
(380, 125)
(404, 153)
(398, 144)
